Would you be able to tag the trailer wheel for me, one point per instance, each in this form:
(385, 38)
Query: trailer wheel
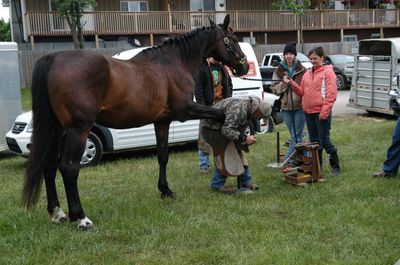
(93, 151)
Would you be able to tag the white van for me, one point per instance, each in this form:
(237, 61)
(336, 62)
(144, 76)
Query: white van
(102, 139)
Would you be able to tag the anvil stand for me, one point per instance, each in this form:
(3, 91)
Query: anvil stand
(278, 163)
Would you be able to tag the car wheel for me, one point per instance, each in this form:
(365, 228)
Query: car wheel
(340, 82)
(269, 125)
(93, 151)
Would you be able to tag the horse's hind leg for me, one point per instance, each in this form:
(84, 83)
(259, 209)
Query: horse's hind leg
(72, 149)
(53, 205)
(198, 111)
(162, 131)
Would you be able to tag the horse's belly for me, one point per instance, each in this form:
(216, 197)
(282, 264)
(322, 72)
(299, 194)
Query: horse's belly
(126, 120)
(120, 122)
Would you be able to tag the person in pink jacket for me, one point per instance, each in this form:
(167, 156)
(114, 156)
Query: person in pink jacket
(318, 90)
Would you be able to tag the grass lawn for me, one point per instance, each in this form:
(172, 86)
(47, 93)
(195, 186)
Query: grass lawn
(350, 219)
(26, 100)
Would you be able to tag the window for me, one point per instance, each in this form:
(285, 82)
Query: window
(375, 35)
(56, 20)
(250, 40)
(276, 59)
(202, 5)
(134, 6)
(266, 60)
(349, 38)
(53, 6)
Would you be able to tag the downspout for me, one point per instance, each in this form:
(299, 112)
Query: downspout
(10, 15)
(24, 24)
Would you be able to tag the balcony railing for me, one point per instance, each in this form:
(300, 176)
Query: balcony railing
(164, 22)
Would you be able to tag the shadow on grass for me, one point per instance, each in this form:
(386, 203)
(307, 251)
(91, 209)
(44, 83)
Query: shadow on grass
(140, 153)
(380, 115)
(6, 154)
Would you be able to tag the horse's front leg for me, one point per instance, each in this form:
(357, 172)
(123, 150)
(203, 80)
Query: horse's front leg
(162, 131)
(53, 206)
(72, 149)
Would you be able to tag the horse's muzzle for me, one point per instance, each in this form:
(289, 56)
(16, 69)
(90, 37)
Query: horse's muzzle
(241, 69)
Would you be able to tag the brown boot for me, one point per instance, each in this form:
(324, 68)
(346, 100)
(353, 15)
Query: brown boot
(334, 163)
(251, 186)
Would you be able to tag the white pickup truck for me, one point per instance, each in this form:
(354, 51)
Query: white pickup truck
(271, 61)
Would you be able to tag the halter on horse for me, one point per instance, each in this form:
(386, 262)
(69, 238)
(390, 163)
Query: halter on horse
(71, 90)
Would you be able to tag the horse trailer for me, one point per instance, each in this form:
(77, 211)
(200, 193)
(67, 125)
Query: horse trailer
(376, 75)
(10, 89)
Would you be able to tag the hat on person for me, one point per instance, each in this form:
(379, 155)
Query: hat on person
(290, 48)
(261, 105)
(265, 108)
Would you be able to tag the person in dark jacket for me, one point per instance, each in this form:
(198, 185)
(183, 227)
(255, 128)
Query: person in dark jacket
(392, 163)
(212, 84)
(292, 112)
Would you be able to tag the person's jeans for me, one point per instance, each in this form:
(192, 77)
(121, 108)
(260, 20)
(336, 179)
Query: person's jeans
(218, 180)
(392, 162)
(204, 161)
(319, 131)
(295, 121)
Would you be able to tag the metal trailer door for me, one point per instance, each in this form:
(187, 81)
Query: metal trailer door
(373, 81)
(10, 89)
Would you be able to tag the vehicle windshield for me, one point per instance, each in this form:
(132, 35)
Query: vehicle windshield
(341, 59)
(302, 57)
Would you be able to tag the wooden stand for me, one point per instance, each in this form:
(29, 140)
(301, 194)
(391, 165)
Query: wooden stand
(307, 169)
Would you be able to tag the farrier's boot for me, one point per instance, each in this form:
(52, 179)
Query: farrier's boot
(334, 163)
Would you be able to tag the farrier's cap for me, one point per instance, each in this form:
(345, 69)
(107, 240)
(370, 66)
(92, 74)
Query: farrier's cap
(263, 106)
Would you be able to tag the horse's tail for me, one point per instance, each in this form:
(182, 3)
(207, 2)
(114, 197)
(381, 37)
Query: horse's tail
(45, 134)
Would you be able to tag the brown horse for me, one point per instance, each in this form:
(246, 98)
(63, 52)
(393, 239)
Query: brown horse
(71, 90)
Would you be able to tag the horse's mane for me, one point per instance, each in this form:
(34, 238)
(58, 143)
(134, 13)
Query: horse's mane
(186, 45)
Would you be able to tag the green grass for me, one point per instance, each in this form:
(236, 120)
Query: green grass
(350, 219)
(26, 99)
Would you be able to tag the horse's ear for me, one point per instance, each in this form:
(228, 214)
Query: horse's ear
(227, 21)
(212, 23)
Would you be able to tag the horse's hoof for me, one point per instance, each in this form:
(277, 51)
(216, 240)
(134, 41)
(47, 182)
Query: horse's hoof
(85, 224)
(169, 195)
(58, 216)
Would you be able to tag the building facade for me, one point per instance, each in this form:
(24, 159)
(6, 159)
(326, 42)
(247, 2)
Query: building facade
(128, 22)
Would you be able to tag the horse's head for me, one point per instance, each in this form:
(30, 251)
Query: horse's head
(227, 49)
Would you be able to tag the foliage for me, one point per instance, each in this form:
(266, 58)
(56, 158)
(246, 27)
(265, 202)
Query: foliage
(5, 30)
(348, 220)
(73, 11)
(298, 7)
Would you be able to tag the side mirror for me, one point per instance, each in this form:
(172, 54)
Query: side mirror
(395, 91)
(398, 82)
